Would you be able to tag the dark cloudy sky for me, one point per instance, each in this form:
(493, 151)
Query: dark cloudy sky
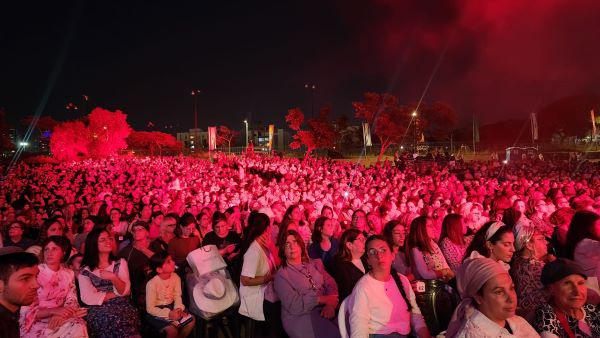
(502, 58)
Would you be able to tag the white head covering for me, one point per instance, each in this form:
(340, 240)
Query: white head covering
(473, 274)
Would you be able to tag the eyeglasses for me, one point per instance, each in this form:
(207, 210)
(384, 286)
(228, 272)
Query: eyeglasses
(375, 252)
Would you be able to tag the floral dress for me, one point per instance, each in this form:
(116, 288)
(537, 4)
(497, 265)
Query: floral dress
(547, 323)
(57, 289)
(526, 276)
(454, 253)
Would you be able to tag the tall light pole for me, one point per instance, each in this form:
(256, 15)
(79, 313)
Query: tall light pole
(415, 116)
(312, 88)
(195, 93)
(246, 124)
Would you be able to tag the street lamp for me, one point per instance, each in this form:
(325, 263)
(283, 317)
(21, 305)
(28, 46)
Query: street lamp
(414, 116)
(312, 88)
(246, 124)
(195, 93)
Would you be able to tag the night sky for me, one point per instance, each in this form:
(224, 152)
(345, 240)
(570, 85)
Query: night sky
(497, 59)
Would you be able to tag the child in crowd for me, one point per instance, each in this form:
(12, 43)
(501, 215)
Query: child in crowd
(164, 306)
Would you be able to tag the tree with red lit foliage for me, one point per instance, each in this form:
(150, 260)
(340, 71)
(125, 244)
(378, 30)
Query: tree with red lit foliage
(152, 142)
(108, 130)
(437, 120)
(323, 130)
(104, 135)
(70, 141)
(226, 136)
(320, 133)
(385, 116)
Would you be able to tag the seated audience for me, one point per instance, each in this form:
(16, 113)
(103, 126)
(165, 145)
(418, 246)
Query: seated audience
(383, 303)
(395, 233)
(489, 303)
(567, 314)
(137, 255)
(104, 286)
(227, 241)
(15, 237)
(260, 263)
(494, 240)
(454, 241)
(164, 305)
(56, 312)
(427, 260)
(18, 271)
(531, 255)
(583, 242)
(167, 233)
(348, 266)
(184, 242)
(307, 292)
(323, 246)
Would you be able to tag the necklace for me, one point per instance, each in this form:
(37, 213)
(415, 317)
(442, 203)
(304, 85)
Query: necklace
(306, 273)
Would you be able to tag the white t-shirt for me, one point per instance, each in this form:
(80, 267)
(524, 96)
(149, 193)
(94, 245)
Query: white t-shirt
(379, 308)
(255, 264)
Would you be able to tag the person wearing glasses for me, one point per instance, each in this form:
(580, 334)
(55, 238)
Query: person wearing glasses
(308, 294)
(383, 302)
(167, 233)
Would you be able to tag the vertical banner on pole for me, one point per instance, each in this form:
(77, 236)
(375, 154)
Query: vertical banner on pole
(534, 127)
(212, 138)
(475, 132)
(366, 134)
(593, 116)
(271, 134)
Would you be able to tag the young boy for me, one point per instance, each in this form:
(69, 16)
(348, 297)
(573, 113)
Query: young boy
(165, 309)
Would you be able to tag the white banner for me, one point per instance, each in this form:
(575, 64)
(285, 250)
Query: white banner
(212, 138)
(534, 127)
(366, 135)
(271, 134)
(593, 116)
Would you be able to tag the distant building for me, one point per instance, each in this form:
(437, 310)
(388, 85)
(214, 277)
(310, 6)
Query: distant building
(194, 139)
(259, 134)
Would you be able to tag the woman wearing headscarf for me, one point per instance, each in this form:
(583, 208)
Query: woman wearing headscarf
(488, 303)
(532, 252)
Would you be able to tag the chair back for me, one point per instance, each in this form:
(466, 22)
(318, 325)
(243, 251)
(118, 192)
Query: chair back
(344, 317)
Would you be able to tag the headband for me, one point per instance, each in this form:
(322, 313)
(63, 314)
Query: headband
(491, 231)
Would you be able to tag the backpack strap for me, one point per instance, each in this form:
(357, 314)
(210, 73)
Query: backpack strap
(401, 288)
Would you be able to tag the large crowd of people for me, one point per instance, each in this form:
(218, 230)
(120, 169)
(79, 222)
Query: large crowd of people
(315, 247)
